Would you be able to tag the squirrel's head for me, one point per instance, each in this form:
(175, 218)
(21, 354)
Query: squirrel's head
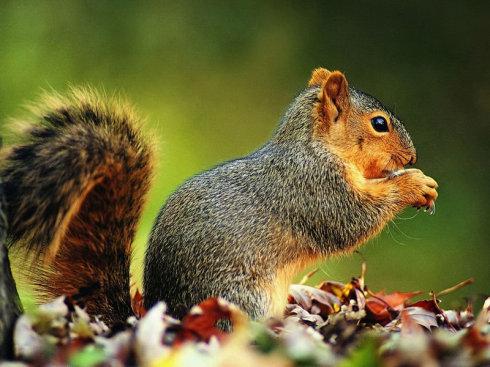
(358, 128)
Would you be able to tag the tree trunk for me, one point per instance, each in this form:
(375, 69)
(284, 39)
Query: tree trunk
(10, 307)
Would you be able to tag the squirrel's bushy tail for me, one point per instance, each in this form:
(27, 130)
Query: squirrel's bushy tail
(75, 191)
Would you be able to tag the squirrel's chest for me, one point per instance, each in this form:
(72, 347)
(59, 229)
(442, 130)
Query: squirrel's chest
(293, 255)
(279, 288)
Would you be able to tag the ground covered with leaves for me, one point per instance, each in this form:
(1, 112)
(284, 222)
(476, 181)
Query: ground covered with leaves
(333, 324)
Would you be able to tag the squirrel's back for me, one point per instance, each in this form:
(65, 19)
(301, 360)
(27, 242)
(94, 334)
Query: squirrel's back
(227, 231)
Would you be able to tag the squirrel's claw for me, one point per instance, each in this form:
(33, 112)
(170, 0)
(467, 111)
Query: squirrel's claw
(431, 208)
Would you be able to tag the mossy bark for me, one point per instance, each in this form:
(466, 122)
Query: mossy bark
(10, 306)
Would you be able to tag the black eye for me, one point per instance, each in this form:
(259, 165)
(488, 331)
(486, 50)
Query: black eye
(379, 124)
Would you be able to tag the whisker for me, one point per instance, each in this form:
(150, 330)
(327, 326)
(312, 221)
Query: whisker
(403, 233)
(409, 218)
(393, 237)
(394, 164)
(327, 274)
(399, 161)
(386, 167)
(403, 158)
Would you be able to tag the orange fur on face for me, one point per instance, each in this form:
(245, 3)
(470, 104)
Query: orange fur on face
(348, 133)
(373, 169)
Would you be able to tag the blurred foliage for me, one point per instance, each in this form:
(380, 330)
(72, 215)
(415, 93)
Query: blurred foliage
(213, 78)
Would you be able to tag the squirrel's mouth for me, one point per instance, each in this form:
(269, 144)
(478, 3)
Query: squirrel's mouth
(395, 167)
(385, 173)
(397, 164)
(392, 173)
(379, 174)
(381, 169)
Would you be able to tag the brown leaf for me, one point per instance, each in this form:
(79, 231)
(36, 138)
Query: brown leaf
(201, 323)
(340, 290)
(137, 304)
(396, 299)
(383, 308)
(427, 304)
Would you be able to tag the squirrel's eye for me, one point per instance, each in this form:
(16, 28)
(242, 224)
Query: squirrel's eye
(379, 124)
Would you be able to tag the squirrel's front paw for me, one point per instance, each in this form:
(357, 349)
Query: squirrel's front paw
(416, 189)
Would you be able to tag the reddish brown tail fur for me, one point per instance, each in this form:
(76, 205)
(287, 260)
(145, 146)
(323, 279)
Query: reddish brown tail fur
(74, 194)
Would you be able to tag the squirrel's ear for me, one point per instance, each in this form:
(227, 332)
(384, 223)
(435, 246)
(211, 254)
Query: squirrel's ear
(335, 97)
(318, 76)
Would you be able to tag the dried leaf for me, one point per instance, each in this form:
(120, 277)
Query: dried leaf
(308, 297)
(383, 308)
(137, 304)
(420, 316)
(149, 336)
(204, 320)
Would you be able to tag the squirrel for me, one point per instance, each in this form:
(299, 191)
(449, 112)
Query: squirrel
(330, 177)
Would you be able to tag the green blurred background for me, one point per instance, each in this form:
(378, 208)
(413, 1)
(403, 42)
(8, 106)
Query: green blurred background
(213, 78)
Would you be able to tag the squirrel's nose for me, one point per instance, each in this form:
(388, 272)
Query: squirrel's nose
(413, 159)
